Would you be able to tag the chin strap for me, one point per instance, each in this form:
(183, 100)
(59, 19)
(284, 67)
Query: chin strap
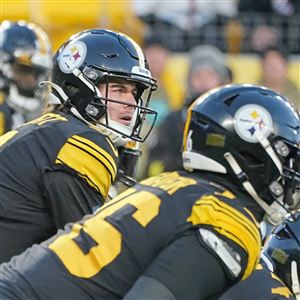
(275, 212)
(295, 280)
(60, 91)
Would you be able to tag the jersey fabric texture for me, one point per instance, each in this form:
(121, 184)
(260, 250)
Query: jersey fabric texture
(53, 170)
(103, 255)
(262, 285)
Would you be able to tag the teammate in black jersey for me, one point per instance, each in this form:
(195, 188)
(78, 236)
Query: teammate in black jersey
(26, 59)
(277, 276)
(59, 167)
(181, 235)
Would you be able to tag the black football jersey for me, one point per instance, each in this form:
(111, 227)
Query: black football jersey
(262, 284)
(101, 256)
(55, 150)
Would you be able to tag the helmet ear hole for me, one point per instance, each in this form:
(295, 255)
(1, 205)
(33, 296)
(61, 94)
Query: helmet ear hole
(250, 159)
(71, 89)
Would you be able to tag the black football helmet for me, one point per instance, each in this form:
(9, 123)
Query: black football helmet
(282, 252)
(252, 134)
(102, 56)
(26, 58)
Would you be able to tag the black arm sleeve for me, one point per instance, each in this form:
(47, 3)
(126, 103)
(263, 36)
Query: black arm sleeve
(185, 270)
(69, 197)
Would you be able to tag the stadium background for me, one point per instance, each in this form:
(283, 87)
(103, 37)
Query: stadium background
(60, 19)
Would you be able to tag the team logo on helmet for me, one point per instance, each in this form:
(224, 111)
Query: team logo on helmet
(253, 122)
(72, 56)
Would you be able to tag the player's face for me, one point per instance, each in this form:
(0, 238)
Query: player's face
(25, 77)
(124, 92)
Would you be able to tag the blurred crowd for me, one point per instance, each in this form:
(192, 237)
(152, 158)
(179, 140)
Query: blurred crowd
(191, 47)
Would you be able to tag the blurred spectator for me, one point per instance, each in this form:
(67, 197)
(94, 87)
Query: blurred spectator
(170, 92)
(266, 24)
(275, 74)
(255, 6)
(168, 96)
(207, 69)
(185, 24)
(185, 14)
(280, 7)
(264, 36)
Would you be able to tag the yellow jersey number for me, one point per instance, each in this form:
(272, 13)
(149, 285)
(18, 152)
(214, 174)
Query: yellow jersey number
(144, 207)
(108, 240)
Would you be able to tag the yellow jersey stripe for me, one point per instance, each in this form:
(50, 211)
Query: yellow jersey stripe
(2, 123)
(115, 150)
(97, 151)
(87, 167)
(7, 136)
(233, 213)
(230, 223)
(226, 194)
(88, 164)
(2, 97)
(282, 291)
(107, 164)
(233, 232)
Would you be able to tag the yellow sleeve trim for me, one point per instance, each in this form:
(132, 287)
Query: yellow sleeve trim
(230, 223)
(94, 149)
(283, 291)
(89, 161)
(1, 98)
(7, 136)
(2, 123)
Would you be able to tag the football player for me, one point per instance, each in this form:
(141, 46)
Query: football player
(60, 166)
(180, 235)
(277, 275)
(26, 59)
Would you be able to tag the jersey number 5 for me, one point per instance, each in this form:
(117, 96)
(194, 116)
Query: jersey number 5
(102, 240)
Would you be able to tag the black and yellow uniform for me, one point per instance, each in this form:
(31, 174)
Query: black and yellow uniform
(6, 113)
(262, 285)
(53, 170)
(160, 229)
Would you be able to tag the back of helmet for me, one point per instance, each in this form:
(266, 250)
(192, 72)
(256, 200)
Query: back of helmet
(252, 135)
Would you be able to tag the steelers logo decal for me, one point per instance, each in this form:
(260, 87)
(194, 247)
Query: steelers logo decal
(71, 57)
(252, 123)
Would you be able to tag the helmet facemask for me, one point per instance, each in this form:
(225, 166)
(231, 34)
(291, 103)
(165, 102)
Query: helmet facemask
(289, 154)
(141, 120)
(96, 113)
